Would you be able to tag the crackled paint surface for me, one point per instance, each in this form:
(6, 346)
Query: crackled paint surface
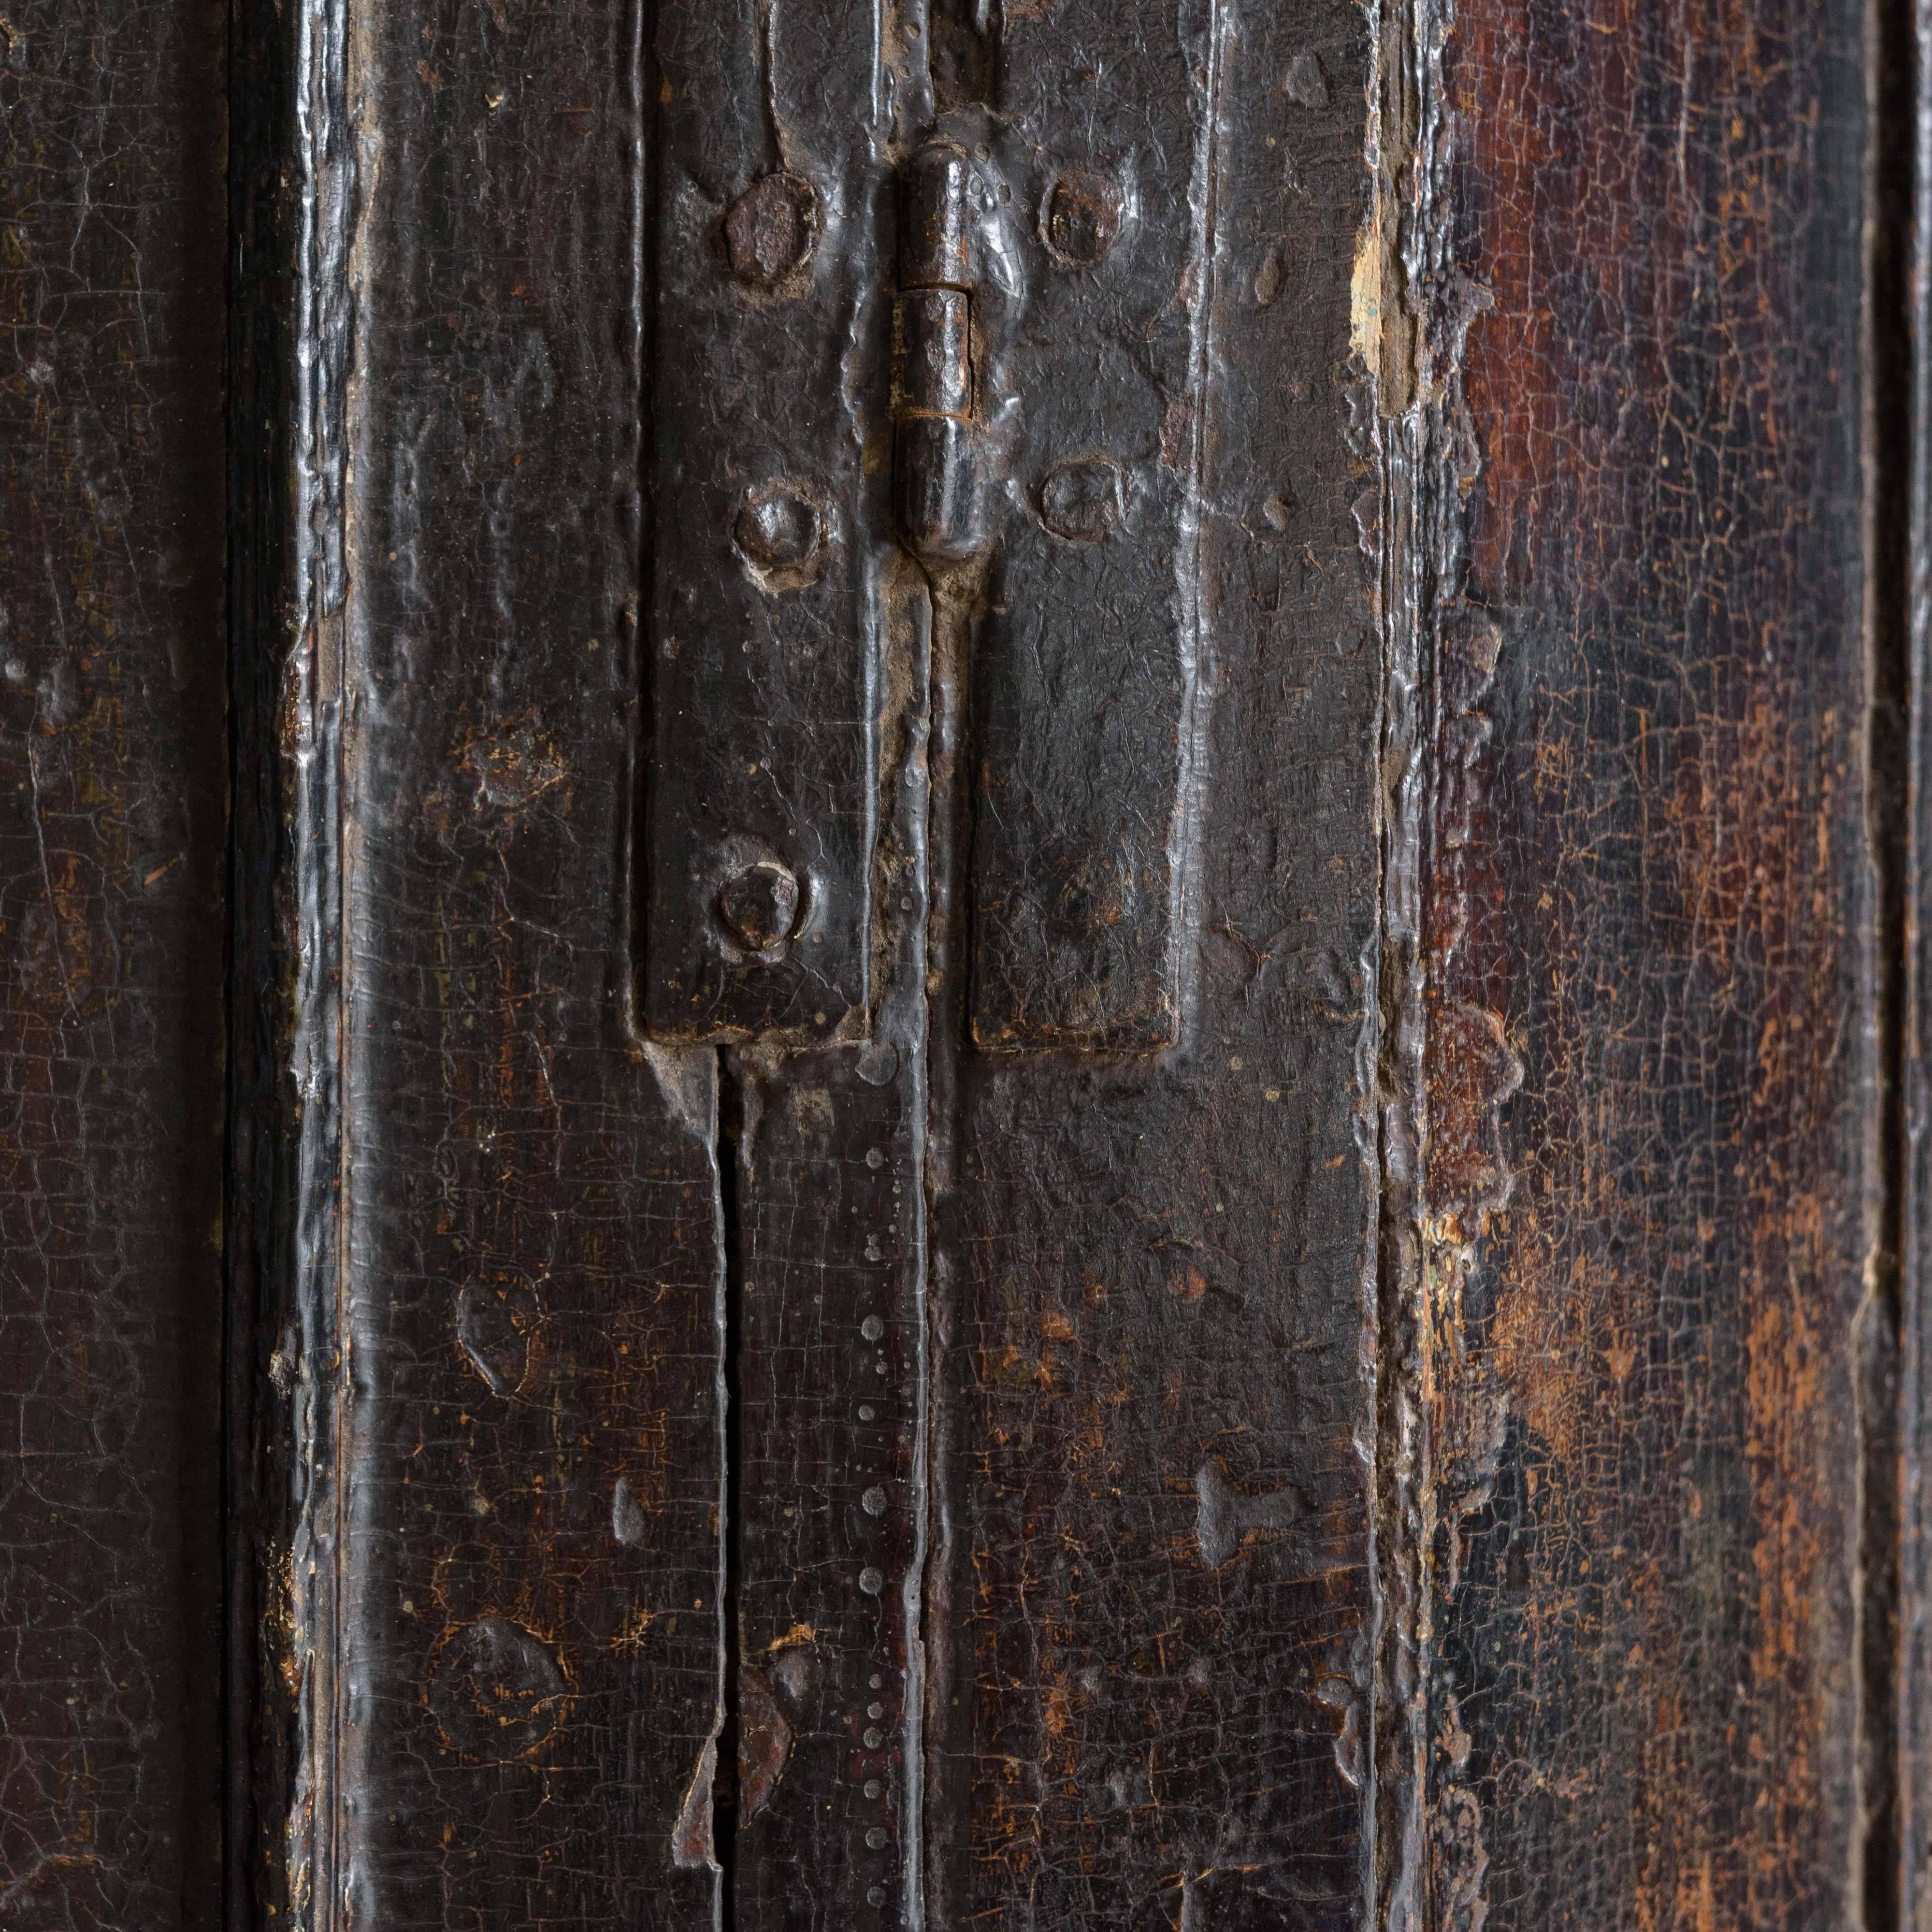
(1146, 1592)
(1651, 910)
(745, 1402)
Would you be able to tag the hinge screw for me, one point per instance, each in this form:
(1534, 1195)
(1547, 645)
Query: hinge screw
(772, 229)
(1083, 217)
(758, 906)
(779, 530)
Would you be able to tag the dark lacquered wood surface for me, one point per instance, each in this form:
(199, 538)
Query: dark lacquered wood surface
(1057, 859)
(112, 858)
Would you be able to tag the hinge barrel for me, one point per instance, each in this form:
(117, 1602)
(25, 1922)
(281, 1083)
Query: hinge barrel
(936, 219)
(938, 484)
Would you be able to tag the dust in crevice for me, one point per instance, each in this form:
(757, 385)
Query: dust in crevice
(703, 1834)
(726, 1821)
(1888, 1854)
(1447, 1068)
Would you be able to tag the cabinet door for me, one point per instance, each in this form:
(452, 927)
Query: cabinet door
(1059, 859)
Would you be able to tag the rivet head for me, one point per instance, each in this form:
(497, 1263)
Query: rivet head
(772, 229)
(779, 530)
(1082, 217)
(758, 905)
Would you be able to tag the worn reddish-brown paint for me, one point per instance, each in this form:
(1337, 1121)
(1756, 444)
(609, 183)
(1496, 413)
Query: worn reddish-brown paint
(1665, 896)
(1479, 1520)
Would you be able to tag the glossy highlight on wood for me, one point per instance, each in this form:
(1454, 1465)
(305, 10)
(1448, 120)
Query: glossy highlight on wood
(963, 965)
